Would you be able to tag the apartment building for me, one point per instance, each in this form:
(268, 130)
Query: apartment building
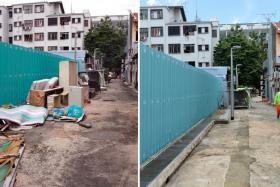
(116, 19)
(43, 26)
(260, 28)
(167, 29)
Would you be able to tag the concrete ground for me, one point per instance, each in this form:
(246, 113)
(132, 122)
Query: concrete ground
(245, 152)
(65, 154)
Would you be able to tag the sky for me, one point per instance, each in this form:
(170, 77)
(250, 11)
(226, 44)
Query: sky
(226, 11)
(96, 7)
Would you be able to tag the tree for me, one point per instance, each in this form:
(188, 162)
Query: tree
(109, 40)
(251, 55)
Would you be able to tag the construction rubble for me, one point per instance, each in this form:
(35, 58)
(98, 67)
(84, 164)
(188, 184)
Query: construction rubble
(57, 99)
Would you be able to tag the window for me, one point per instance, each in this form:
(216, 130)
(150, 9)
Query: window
(17, 38)
(28, 37)
(52, 21)
(78, 34)
(27, 25)
(144, 34)
(159, 47)
(52, 48)
(214, 34)
(10, 27)
(174, 31)
(52, 36)
(0, 25)
(28, 9)
(41, 48)
(174, 48)
(10, 14)
(189, 30)
(39, 8)
(64, 48)
(0, 12)
(192, 63)
(39, 22)
(10, 40)
(85, 23)
(203, 47)
(64, 35)
(202, 30)
(143, 14)
(78, 48)
(189, 48)
(65, 20)
(17, 10)
(156, 31)
(39, 36)
(156, 14)
(76, 20)
(17, 24)
(203, 64)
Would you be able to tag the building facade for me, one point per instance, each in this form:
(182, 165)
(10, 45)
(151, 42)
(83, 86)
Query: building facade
(270, 80)
(226, 29)
(43, 26)
(116, 19)
(167, 29)
(130, 65)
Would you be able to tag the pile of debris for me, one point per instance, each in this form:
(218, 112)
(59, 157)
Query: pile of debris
(57, 99)
(11, 150)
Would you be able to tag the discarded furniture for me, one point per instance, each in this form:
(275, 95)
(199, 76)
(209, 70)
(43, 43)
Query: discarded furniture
(43, 84)
(53, 101)
(39, 97)
(68, 74)
(242, 98)
(76, 95)
(64, 98)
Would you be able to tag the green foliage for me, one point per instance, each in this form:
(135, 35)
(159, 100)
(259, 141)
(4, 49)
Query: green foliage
(251, 55)
(109, 40)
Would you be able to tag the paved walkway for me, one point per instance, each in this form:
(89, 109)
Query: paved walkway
(65, 154)
(245, 152)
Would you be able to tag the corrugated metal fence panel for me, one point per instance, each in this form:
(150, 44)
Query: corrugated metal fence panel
(19, 67)
(173, 97)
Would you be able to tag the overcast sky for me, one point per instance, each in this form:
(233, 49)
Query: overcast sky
(96, 7)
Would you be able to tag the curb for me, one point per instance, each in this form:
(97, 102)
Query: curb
(163, 176)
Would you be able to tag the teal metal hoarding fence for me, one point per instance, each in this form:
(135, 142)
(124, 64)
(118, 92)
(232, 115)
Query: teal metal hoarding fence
(174, 96)
(19, 67)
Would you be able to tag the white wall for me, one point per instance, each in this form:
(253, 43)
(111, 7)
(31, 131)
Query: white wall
(50, 10)
(173, 17)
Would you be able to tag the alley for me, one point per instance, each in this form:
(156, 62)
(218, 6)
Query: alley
(65, 154)
(245, 152)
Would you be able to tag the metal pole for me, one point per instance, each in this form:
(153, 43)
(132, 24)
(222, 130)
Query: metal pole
(75, 52)
(236, 76)
(231, 86)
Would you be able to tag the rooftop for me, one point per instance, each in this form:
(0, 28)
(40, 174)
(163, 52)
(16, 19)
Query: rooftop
(42, 2)
(174, 7)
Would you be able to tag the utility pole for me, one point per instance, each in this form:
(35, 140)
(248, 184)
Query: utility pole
(231, 81)
(236, 75)
(75, 45)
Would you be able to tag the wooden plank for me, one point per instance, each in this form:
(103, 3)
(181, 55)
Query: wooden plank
(10, 179)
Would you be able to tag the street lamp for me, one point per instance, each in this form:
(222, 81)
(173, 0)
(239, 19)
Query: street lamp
(236, 74)
(231, 81)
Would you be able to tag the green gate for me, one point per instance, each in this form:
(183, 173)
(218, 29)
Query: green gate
(174, 96)
(19, 67)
